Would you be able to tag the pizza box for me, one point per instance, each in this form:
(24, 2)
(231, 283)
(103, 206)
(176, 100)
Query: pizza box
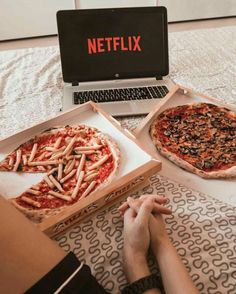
(222, 189)
(136, 165)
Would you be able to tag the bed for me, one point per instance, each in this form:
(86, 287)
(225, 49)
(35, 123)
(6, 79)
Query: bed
(202, 227)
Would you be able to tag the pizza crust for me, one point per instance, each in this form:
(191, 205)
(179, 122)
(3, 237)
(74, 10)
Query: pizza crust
(117, 158)
(38, 214)
(4, 163)
(228, 173)
(225, 173)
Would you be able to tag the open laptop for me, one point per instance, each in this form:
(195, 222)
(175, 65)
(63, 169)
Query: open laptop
(116, 57)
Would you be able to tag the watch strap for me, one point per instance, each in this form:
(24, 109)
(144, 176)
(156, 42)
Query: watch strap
(143, 284)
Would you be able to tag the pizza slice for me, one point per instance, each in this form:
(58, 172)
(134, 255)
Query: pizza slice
(42, 152)
(76, 160)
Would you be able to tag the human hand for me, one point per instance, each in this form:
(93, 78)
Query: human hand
(136, 239)
(165, 253)
(158, 232)
(136, 226)
(157, 229)
(158, 207)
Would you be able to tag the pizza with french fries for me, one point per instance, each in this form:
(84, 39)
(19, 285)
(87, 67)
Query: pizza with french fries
(76, 160)
(199, 137)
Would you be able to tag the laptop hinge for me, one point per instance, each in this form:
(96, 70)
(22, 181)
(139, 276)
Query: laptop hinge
(159, 78)
(75, 83)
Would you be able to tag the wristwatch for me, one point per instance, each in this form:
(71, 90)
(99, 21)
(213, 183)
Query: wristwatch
(144, 284)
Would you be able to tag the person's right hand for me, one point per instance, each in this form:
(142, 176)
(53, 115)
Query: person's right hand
(165, 253)
(136, 227)
(157, 228)
(158, 234)
(136, 239)
(159, 202)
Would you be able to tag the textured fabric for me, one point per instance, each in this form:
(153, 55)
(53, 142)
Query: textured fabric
(202, 228)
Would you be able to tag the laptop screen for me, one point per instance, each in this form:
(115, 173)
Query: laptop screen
(104, 44)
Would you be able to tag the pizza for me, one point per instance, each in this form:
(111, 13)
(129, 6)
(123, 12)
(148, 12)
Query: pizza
(199, 137)
(76, 160)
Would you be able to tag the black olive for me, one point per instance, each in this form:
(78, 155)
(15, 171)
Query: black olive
(167, 133)
(177, 118)
(215, 123)
(184, 149)
(232, 148)
(193, 151)
(208, 163)
(227, 128)
(55, 173)
(225, 159)
(228, 138)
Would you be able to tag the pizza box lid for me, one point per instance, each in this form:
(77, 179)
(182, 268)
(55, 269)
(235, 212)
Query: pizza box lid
(214, 187)
(134, 160)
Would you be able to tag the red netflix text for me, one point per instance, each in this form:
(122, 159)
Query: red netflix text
(108, 44)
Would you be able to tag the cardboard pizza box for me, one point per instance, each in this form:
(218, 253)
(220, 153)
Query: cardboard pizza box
(136, 165)
(222, 189)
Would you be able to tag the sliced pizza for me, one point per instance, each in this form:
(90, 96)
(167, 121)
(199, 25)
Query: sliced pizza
(77, 160)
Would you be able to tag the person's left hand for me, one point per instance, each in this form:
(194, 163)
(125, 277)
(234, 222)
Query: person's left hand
(136, 238)
(136, 230)
(158, 207)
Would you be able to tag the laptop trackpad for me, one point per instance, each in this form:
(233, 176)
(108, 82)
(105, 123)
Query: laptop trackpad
(114, 108)
(130, 107)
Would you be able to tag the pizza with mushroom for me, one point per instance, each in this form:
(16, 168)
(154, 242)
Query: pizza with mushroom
(199, 137)
(76, 160)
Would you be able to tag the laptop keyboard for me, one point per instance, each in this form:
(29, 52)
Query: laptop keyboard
(121, 94)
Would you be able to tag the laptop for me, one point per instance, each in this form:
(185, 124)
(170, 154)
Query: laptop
(115, 57)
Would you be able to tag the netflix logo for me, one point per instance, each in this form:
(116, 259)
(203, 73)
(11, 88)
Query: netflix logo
(111, 44)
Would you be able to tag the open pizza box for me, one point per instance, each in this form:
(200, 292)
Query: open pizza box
(223, 189)
(136, 165)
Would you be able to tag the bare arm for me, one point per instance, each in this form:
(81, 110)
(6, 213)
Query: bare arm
(136, 267)
(136, 244)
(175, 277)
(26, 254)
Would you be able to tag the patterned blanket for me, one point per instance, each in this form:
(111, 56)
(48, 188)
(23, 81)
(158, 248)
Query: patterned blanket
(201, 228)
